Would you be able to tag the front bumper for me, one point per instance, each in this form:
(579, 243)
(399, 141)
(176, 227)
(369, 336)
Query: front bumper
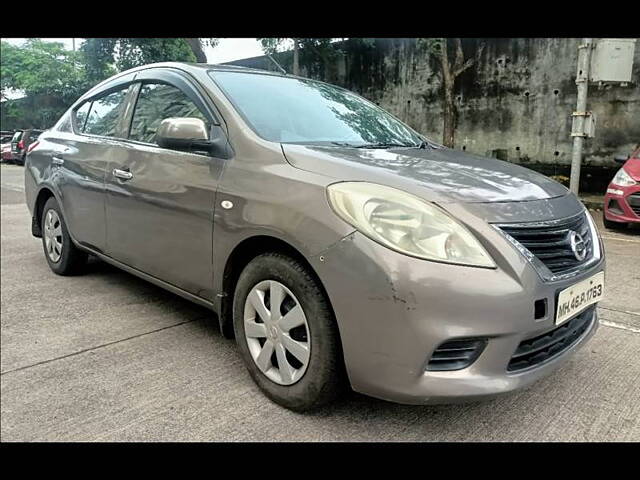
(622, 210)
(393, 311)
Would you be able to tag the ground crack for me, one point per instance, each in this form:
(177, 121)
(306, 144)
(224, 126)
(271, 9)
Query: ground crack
(100, 346)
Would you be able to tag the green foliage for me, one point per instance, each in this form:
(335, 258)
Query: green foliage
(42, 68)
(432, 46)
(105, 54)
(323, 47)
(273, 45)
(52, 77)
(97, 57)
(312, 50)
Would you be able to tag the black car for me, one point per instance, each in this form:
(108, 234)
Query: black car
(20, 144)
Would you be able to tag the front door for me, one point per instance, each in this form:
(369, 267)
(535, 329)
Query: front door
(160, 202)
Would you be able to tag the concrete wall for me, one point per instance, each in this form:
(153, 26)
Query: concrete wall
(516, 104)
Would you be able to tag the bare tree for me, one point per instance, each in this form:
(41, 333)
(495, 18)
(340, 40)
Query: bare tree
(452, 65)
(311, 49)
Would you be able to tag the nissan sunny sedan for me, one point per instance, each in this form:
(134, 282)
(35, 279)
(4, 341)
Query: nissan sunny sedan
(337, 245)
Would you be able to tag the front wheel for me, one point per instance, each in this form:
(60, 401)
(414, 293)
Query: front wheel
(63, 257)
(286, 333)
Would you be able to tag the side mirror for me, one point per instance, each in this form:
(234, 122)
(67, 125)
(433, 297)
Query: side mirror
(183, 133)
(620, 158)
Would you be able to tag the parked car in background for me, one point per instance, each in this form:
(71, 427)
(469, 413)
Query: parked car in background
(5, 152)
(6, 136)
(20, 144)
(622, 200)
(15, 144)
(337, 244)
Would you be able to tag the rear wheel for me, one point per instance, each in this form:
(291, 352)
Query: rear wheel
(63, 257)
(286, 333)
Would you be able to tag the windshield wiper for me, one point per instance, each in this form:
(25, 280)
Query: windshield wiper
(383, 145)
(423, 144)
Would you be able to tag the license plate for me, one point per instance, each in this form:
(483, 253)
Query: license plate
(576, 298)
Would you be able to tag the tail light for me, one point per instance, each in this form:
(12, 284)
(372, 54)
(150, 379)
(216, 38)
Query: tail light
(32, 146)
(21, 144)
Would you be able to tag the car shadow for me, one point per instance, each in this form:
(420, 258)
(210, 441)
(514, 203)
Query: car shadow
(443, 421)
(147, 291)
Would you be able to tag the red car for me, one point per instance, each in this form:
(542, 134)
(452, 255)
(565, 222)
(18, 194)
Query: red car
(5, 152)
(622, 201)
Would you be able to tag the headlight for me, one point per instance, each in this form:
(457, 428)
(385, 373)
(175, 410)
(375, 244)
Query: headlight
(406, 223)
(623, 179)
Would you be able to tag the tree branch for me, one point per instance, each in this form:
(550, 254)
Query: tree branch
(444, 58)
(459, 55)
(469, 63)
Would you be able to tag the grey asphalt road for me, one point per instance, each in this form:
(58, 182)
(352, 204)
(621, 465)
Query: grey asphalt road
(106, 356)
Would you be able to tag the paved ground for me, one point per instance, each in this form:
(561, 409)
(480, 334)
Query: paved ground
(106, 356)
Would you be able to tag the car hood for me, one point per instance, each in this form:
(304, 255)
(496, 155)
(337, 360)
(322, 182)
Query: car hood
(437, 174)
(632, 167)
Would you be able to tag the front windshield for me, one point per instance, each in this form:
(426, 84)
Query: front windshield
(291, 110)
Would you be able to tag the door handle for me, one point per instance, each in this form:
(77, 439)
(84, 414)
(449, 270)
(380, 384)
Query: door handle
(123, 174)
(57, 161)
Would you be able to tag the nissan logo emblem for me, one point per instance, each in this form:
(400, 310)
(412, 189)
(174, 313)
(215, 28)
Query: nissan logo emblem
(578, 247)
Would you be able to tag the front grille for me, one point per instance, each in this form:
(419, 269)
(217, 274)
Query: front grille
(456, 354)
(538, 350)
(550, 242)
(634, 203)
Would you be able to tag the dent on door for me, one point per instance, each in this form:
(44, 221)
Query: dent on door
(78, 168)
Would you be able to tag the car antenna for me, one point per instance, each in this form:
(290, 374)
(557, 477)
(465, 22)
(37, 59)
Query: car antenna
(277, 64)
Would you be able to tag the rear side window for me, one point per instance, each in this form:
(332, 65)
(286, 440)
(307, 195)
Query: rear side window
(157, 101)
(64, 125)
(103, 115)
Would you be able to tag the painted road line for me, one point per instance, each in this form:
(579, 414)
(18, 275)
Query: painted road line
(619, 326)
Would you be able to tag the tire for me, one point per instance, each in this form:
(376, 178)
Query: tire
(612, 225)
(67, 259)
(322, 378)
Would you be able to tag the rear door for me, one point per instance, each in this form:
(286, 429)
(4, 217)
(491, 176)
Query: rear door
(160, 219)
(80, 158)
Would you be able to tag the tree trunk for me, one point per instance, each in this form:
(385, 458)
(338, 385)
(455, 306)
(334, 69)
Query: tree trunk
(448, 110)
(449, 120)
(196, 48)
(296, 57)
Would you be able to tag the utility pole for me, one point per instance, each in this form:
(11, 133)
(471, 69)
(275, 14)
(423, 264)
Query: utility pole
(73, 45)
(578, 130)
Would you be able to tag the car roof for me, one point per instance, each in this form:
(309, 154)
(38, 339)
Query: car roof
(205, 66)
(185, 66)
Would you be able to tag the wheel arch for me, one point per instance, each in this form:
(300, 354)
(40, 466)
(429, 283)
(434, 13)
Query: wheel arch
(241, 255)
(44, 194)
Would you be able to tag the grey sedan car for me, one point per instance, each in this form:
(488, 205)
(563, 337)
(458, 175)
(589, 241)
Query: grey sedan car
(337, 245)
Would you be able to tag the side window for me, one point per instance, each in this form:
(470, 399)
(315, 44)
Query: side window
(65, 124)
(157, 101)
(81, 115)
(103, 115)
